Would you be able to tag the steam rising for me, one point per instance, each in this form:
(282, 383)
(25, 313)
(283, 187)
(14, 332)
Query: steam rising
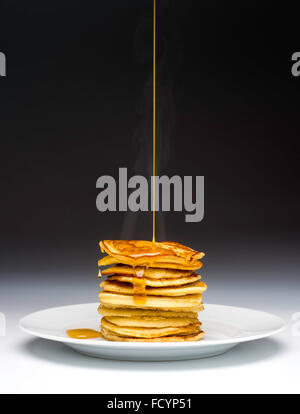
(169, 58)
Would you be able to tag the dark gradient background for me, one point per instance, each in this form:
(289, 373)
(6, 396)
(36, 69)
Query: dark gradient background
(76, 104)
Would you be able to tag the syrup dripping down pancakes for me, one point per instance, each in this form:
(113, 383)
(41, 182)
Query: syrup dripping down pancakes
(152, 292)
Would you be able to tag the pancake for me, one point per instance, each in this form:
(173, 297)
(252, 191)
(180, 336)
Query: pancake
(183, 338)
(133, 313)
(127, 289)
(138, 332)
(150, 321)
(136, 252)
(158, 282)
(181, 303)
(150, 273)
(109, 260)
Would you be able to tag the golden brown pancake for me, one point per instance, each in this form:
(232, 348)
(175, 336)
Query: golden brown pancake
(158, 282)
(150, 273)
(183, 338)
(137, 332)
(181, 303)
(142, 248)
(109, 260)
(133, 313)
(150, 321)
(127, 289)
(141, 252)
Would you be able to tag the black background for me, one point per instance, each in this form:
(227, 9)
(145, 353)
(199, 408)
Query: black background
(76, 104)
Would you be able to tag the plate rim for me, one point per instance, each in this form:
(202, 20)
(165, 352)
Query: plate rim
(143, 345)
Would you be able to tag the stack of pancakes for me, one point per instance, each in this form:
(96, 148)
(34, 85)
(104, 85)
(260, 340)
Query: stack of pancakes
(152, 293)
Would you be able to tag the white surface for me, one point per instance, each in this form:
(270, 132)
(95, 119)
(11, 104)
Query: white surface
(224, 326)
(36, 365)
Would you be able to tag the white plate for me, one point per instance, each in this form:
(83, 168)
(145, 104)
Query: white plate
(224, 326)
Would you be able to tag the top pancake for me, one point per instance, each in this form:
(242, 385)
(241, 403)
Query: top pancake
(146, 253)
